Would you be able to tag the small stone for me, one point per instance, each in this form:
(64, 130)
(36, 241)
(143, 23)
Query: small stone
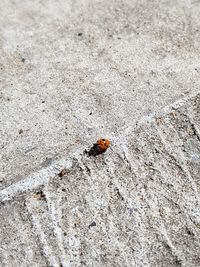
(92, 224)
(39, 195)
(62, 173)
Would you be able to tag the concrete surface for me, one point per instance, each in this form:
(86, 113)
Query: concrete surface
(71, 72)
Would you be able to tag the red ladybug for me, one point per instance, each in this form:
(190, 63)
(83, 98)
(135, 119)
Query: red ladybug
(103, 144)
(99, 147)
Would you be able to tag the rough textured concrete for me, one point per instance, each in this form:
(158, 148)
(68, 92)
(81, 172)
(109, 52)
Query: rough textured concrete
(72, 71)
(137, 205)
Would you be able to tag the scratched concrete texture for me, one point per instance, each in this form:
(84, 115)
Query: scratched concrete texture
(71, 72)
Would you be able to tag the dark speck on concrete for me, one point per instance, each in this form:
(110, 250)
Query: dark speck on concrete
(189, 232)
(92, 224)
(62, 173)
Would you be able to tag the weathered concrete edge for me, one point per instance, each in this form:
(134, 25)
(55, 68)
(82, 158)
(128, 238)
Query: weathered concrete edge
(42, 176)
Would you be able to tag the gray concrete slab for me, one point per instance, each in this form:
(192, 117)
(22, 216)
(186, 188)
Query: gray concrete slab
(136, 205)
(71, 72)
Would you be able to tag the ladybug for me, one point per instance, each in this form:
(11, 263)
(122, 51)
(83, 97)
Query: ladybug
(99, 147)
(103, 144)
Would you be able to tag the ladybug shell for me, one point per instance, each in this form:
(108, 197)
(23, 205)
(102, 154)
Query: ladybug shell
(103, 144)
